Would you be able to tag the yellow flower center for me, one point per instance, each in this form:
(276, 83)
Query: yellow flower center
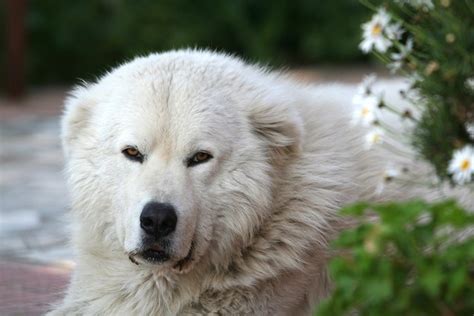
(465, 164)
(365, 111)
(377, 29)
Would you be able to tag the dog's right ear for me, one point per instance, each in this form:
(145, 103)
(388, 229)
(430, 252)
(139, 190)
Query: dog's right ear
(77, 112)
(279, 124)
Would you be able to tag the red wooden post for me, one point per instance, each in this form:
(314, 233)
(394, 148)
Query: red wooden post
(15, 41)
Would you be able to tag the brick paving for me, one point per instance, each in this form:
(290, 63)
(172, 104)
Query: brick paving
(30, 289)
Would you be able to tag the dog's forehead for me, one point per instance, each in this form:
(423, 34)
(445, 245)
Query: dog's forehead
(171, 87)
(167, 105)
(172, 101)
(190, 79)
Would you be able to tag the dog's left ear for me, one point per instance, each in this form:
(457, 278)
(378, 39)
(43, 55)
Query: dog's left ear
(279, 124)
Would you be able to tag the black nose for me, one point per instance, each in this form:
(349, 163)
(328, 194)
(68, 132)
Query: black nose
(158, 219)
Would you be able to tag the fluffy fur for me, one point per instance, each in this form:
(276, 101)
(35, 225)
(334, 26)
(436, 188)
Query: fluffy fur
(258, 216)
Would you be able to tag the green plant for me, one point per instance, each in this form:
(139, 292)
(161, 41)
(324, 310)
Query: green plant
(417, 258)
(431, 43)
(412, 261)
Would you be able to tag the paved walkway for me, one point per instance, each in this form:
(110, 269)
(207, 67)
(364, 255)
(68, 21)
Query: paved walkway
(33, 197)
(34, 253)
(27, 289)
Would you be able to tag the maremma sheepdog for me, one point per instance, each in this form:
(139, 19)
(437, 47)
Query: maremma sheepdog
(203, 185)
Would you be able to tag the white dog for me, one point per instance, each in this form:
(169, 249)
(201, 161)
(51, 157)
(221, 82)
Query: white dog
(202, 185)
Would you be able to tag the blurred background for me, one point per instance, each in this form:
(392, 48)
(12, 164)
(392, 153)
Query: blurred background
(82, 39)
(50, 45)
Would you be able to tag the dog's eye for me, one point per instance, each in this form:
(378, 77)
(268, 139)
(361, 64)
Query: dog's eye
(133, 153)
(199, 157)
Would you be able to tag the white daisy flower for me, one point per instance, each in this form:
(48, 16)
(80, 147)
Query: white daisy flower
(394, 31)
(374, 33)
(414, 78)
(470, 83)
(400, 57)
(367, 109)
(417, 3)
(461, 166)
(365, 87)
(388, 175)
(367, 104)
(374, 137)
(470, 130)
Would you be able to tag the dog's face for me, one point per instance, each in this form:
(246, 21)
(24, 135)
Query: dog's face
(172, 153)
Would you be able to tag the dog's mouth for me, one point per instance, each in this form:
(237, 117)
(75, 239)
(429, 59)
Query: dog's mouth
(155, 255)
(158, 255)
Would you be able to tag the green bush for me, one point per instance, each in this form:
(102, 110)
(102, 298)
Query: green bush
(71, 39)
(416, 258)
(407, 263)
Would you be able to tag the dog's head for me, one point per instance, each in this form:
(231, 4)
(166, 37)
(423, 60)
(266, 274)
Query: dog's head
(174, 152)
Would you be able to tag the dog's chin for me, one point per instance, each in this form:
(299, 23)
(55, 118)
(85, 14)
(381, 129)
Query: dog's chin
(163, 260)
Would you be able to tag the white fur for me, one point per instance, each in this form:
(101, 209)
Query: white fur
(261, 212)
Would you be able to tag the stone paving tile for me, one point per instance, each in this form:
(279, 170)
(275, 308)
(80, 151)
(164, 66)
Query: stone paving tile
(33, 196)
(27, 289)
